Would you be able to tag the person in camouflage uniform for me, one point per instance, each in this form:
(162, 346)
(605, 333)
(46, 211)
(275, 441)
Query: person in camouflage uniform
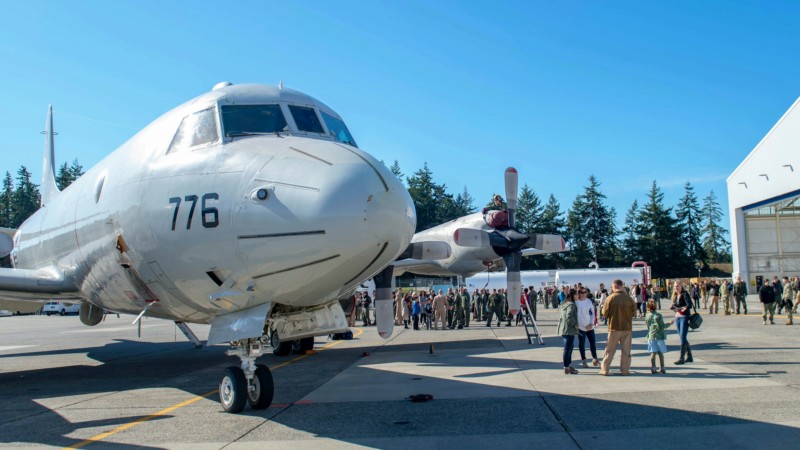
(467, 305)
(495, 307)
(788, 299)
(739, 294)
(726, 297)
(451, 306)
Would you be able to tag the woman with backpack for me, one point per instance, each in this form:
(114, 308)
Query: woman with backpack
(682, 305)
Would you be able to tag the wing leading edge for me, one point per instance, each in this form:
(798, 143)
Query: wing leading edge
(36, 285)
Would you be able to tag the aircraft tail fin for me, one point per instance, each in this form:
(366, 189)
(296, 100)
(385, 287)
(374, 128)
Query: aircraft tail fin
(49, 188)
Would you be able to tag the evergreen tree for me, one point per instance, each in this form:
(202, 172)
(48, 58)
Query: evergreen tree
(590, 227)
(68, 174)
(660, 238)
(528, 220)
(714, 242)
(630, 239)
(689, 218)
(433, 204)
(7, 202)
(580, 254)
(464, 203)
(26, 198)
(396, 170)
(552, 222)
(528, 214)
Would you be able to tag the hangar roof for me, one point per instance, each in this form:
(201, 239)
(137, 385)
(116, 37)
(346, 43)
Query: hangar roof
(771, 172)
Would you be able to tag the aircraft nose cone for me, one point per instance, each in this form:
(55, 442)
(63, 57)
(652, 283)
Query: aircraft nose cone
(390, 214)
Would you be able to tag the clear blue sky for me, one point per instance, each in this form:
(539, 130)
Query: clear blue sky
(628, 91)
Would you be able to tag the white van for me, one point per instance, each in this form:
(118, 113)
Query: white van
(61, 308)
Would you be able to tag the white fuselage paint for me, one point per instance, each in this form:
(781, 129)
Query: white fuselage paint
(462, 260)
(334, 217)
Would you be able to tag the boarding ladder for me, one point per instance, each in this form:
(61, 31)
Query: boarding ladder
(531, 329)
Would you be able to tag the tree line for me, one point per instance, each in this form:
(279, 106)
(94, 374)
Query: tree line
(673, 240)
(20, 199)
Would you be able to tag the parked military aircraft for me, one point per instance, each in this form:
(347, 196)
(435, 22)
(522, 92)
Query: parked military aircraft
(249, 207)
(478, 245)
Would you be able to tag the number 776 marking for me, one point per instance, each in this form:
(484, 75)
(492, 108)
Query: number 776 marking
(206, 211)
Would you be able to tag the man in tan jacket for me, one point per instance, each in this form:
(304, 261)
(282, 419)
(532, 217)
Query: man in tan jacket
(619, 308)
(439, 311)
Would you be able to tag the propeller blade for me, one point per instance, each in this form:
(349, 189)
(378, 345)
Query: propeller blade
(547, 242)
(513, 284)
(428, 250)
(470, 237)
(384, 316)
(511, 194)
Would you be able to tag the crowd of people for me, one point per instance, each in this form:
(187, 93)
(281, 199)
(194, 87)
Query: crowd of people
(581, 311)
(579, 316)
(779, 295)
(454, 309)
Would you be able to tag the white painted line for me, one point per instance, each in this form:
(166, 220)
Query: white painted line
(4, 348)
(110, 329)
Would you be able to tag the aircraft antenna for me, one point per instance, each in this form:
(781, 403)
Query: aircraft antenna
(280, 85)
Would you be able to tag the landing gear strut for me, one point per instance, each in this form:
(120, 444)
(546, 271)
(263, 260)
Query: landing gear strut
(251, 383)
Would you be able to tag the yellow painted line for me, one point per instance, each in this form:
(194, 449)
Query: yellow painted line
(168, 410)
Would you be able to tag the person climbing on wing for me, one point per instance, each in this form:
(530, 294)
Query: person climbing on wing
(496, 215)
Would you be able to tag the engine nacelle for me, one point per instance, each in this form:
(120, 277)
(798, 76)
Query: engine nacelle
(91, 315)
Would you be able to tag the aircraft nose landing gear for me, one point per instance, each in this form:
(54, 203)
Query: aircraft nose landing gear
(251, 383)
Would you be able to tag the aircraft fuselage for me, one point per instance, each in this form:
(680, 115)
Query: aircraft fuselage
(293, 218)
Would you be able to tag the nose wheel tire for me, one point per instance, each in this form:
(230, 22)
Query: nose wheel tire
(262, 388)
(279, 348)
(233, 393)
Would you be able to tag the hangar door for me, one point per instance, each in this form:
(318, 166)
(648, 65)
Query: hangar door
(773, 240)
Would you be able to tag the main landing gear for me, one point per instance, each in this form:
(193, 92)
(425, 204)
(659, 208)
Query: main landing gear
(251, 383)
(283, 348)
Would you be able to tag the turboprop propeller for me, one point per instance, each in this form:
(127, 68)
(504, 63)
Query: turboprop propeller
(507, 242)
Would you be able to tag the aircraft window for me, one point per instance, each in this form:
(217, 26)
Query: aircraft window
(250, 120)
(196, 129)
(338, 129)
(306, 119)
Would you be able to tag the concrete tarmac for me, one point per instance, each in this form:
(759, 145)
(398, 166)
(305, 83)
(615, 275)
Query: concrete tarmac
(66, 385)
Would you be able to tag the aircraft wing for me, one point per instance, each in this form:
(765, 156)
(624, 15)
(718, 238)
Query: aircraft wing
(537, 251)
(36, 285)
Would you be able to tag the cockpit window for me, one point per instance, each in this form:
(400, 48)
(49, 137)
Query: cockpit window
(249, 120)
(306, 119)
(195, 129)
(338, 129)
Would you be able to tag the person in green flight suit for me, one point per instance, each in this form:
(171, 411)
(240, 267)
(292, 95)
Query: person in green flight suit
(494, 306)
(458, 311)
(451, 306)
(467, 305)
(484, 305)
